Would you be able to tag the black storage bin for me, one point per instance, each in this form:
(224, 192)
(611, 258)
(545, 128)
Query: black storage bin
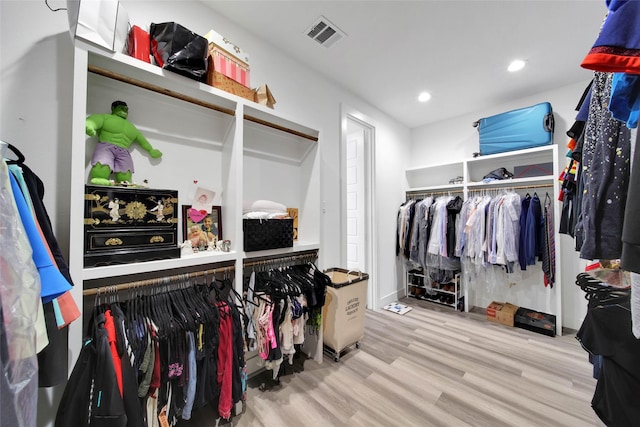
(180, 50)
(261, 234)
(542, 323)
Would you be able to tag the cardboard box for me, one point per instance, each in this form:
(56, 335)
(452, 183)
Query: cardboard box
(223, 82)
(538, 169)
(263, 96)
(293, 213)
(230, 66)
(501, 312)
(542, 323)
(229, 58)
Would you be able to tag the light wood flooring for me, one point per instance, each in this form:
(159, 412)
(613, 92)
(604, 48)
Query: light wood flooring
(432, 367)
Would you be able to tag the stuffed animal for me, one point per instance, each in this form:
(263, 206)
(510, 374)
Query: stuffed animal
(111, 155)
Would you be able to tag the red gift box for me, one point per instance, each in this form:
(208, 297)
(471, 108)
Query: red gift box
(139, 45)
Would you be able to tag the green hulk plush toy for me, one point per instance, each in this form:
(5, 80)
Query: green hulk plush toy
(116, 134)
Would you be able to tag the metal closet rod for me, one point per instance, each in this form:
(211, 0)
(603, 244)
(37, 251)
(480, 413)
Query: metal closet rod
(516, 187)
(432, 193)
(156, 281)
(281, 259)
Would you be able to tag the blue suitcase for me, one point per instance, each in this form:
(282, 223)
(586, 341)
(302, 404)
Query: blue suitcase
(516, 130)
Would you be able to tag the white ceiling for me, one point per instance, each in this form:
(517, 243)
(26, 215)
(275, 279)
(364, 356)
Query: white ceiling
(456, 50)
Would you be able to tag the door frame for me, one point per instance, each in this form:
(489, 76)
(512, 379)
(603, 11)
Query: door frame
(348, 114)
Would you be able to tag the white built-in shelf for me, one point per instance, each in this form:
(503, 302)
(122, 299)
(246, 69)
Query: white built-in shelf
(276, 138)
(478, 167)
(138, 73)
(159, 265)
(434, 176)
(527, 153)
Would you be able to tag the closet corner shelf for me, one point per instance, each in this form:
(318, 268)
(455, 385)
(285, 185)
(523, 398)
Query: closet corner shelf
(203, 258)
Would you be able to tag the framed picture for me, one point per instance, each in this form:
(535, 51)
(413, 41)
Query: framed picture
(201, 227)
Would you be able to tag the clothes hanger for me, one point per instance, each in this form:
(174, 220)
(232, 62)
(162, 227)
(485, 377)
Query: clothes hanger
(20, 160)
(184, 313)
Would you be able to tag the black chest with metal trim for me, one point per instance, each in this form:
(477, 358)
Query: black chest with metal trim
(125, 225)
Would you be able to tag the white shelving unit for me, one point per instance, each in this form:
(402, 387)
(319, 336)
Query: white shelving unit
(422, 287)
(435, 179)
(209, 138)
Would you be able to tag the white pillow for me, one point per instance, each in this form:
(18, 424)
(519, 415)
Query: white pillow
(263, 206)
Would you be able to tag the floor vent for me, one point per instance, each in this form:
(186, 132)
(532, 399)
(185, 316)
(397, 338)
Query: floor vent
(325, 32)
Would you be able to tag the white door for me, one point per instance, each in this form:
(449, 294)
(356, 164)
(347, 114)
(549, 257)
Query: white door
(355, 184)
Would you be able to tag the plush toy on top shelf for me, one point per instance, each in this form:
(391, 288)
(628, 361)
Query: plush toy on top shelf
(111, 155)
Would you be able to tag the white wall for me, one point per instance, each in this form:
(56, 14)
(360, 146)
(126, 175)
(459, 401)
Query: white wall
(461, 140)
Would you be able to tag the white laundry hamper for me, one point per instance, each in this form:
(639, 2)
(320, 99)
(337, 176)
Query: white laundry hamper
(344, 310)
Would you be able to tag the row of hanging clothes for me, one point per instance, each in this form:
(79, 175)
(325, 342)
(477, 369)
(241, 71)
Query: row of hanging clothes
(36, 305)
(283, 306)
(496, 230)
(156, 357)
(426, 234)
(508, 231)
(606, 334)
(601, 206)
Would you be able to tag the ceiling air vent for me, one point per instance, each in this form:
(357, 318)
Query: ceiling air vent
(325, 32)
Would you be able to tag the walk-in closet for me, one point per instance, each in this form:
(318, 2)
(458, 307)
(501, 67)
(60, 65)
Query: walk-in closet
(310, 213)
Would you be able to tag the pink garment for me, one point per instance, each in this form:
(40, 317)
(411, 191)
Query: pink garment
(225, 361)
(267, 334)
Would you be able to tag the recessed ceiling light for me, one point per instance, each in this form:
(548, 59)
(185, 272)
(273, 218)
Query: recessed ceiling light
(424, 97)
(516, 65)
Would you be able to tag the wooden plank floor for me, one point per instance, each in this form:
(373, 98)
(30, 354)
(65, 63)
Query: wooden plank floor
(432, 367)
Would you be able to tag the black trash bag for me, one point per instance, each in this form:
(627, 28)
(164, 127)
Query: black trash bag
(180, 50)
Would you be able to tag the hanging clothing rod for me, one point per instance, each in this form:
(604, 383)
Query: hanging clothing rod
(282, 128)
(156, 281)
(432, 193)
(281, 259)
(516, 187)
(158, 89)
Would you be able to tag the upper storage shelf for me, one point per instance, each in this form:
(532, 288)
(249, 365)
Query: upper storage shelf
(266, 134)
(275, 137)
(532, 166)
(442, 176)
(478, 167)
(139, 73)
